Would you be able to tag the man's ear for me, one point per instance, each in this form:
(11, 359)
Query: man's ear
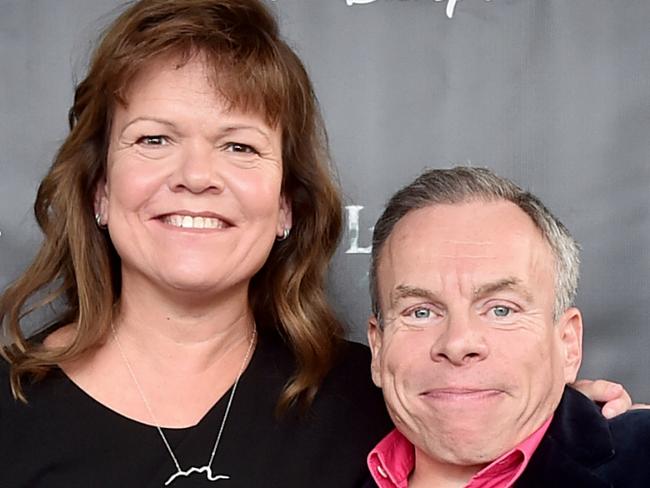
(285, 217)
(375, 341)
(101, 203)
(570, 330)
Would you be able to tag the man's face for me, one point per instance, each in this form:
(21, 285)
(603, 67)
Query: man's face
(470, 360)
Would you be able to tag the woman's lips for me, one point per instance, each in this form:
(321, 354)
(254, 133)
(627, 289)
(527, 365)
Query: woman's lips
(194, 220)
(189, 222)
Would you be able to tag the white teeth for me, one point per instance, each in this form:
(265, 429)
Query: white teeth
(188, 222)
(212, 223)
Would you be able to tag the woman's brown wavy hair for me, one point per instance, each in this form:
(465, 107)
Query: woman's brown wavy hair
(254, 69)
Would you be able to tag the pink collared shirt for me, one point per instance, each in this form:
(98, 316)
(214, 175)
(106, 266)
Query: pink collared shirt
(393, 459)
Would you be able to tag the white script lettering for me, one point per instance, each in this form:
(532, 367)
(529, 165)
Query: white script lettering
(353, 230)
(451, 4)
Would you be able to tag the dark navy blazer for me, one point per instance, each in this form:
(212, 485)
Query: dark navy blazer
(582, 449)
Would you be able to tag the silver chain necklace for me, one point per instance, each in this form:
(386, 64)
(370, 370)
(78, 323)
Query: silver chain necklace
(207, 469)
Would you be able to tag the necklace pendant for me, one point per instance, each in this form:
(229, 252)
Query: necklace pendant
(203, 469)
(207, 469)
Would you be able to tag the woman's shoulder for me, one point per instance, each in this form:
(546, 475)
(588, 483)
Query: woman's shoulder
(334, 435)
(14, 412)
(353, 363)
(348, 379)
(56, 336)
(347, 390)
(5, 383)
(350, 404)
(33, 391)
(355, 352)
(354, 356)
(8, 401)
(350, 386)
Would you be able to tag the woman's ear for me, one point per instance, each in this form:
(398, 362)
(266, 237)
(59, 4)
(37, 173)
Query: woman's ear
(285, 216)
(101, 203)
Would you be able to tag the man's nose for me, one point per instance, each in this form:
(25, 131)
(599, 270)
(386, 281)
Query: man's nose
(462, 342)
(198, 169)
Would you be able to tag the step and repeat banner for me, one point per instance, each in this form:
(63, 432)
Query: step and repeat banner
(554, 94)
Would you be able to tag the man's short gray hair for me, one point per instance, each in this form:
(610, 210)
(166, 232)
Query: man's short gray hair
(463, 184)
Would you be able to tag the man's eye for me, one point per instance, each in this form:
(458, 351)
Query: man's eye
(421, 313)
(501, 311)
(240, 148)
(152, 140)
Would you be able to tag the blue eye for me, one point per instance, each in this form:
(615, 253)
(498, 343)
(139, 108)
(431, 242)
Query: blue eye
(501, 311)
(421, 313)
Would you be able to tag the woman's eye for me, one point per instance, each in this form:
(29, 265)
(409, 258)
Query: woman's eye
(240, 148)
(501, 311)
(152, 140)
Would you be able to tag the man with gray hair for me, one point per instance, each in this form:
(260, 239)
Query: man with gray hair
(474, 338)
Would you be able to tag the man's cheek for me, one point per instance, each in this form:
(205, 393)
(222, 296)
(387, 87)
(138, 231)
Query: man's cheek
(396, 384)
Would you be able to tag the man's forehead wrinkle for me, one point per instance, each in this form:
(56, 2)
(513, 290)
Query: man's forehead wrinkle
(470, 242)
(455, 248)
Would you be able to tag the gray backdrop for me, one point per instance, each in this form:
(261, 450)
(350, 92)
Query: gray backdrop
(552, 93)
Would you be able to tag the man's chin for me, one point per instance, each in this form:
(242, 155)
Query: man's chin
(467, 445)
(469, 454)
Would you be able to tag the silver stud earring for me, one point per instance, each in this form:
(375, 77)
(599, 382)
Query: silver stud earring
(285, 234)
(98, 219)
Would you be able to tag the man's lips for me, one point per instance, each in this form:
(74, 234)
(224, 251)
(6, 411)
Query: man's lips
(461, 394)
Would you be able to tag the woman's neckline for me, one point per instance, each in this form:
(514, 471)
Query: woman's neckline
(218, 405)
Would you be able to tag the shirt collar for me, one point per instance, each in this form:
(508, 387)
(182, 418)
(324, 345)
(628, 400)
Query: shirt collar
(393, 459)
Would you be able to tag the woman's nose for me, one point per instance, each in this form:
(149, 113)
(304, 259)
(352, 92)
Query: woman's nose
(198, 169)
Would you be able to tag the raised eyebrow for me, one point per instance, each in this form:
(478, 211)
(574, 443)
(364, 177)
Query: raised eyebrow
(407, 291)
(233, 128)
(148, 119)
(512, 284)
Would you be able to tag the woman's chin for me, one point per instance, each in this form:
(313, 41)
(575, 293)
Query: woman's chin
(195, 284)
(188, 284)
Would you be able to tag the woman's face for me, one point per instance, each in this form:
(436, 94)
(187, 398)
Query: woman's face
(192, 196)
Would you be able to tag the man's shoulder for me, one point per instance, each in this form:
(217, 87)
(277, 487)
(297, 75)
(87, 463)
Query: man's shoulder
(626, 432)
(583, 449)
(629, 465)
(624, 429)
(631, 431)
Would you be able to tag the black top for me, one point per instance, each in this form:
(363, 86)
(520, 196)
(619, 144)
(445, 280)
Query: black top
(65, 439)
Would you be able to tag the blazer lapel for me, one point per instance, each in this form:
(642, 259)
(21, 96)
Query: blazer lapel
(577, 442)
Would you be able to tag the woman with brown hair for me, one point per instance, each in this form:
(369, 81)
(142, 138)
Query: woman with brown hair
(188, 221)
